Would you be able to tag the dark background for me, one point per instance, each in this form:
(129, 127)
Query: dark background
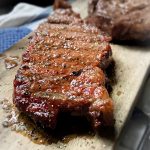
(10, 3)
(7, 5)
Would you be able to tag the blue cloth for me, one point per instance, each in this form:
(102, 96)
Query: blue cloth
(10, 36)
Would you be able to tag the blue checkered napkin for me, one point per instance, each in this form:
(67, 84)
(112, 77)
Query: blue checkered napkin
(10, 36)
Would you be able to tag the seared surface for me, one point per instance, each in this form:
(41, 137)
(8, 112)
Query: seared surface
(123, 20)
(62, 71)
(64, 16)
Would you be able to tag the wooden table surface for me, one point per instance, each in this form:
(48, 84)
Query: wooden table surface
(132, 65)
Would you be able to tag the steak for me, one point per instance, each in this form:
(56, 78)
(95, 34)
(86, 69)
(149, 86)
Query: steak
(62, 70)
(123, 20)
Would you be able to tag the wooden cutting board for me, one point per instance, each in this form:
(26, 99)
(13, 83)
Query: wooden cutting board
(132, 65)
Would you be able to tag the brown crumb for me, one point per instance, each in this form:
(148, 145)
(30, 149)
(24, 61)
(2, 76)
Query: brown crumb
(119, 93)
(92, 147)
(9, 63)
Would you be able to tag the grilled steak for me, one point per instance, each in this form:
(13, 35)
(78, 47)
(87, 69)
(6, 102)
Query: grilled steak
(123, 20)
(62, 71)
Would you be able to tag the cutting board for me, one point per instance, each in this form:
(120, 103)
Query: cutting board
(131, 66)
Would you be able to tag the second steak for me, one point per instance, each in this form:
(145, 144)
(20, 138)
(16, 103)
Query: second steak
(122, 20)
